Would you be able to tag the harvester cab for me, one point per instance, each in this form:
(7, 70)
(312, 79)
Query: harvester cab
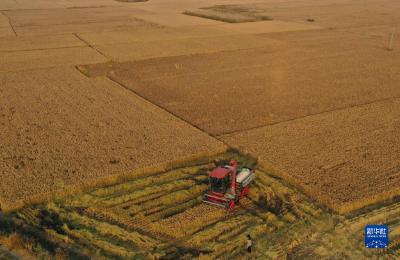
(227, 184)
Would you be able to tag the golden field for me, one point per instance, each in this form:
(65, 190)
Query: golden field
(119, 102)
(161, 216)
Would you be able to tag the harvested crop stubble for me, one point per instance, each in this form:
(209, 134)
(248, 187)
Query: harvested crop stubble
(146, 181)
(189, 221)
(237, 243)
(118, 218)
(235, 231)
(138, 240)
(167, 187)
(172, 198)
(142, 191)
(57, 237)
(218, 229)
(183, 230)
(29, 215)
(88, 238)
(170, 211)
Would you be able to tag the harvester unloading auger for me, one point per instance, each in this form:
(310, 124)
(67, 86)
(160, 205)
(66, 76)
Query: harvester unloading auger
(227, 184)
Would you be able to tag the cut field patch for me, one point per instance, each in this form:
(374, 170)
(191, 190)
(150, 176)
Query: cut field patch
(143, 218)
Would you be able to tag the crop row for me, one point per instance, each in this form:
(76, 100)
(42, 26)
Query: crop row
(172, 198)
(215, 231)
(167, 187)
(236, 244)
(123, 193)
(127, 187)
(279, 199)
(189, 221)
(117, 218)
(105, 229)
(91, 240)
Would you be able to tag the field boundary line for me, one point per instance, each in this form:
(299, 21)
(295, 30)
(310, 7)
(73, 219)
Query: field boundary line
(162, 108)
(57, 8)
(40, 68)
(218, 136)
(215, 137)
(90, 45)
(44, 49)
(229, 69)
(10, 23)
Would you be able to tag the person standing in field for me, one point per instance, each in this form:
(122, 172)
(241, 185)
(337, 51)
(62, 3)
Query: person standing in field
(249, 244)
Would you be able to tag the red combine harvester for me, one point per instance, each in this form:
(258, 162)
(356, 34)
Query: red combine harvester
(228, 184)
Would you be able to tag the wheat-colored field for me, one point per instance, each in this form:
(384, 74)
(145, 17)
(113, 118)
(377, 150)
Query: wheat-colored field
(101, 98)
(288, 76)
(324, 111)
(66, 131)
(161, 216)
(346, 159)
